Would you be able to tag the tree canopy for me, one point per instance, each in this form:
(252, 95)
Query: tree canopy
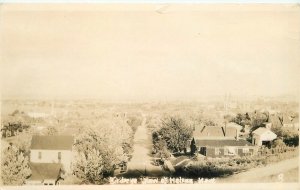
(14, 166)
(175, 132)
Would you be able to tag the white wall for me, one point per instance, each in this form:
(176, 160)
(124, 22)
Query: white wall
(51, 156)
(257, 138)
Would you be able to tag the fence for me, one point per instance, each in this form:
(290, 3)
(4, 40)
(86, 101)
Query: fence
(271, 151)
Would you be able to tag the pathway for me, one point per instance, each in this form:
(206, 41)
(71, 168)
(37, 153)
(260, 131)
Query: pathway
(141, 161)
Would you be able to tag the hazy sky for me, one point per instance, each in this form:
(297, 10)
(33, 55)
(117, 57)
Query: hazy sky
(149, 52)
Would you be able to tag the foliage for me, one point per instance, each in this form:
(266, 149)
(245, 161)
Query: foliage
(90, 167)
(22, 142)
(193, 147)
(278, 143)
(204, 169)
(134, 121)
(290, 137)
(160, 149)
(175, 133)
(14, 166)
(100, 148)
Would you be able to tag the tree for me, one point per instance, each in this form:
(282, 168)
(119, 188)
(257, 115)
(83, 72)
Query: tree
(99, 149)
(278, 143)
(14, 166)
(193, 147)
(176, 133)
(89, 167)
(257, 120)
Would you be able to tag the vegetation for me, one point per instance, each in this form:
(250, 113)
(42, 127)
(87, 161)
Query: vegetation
(175, 132)
(220, 167)
(193, 147)
(14, 166)
(99, 149)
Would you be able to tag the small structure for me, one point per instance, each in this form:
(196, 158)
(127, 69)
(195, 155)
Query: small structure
(49, 156)
(263, 136)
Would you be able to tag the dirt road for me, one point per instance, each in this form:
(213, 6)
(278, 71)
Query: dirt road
(141, 162)
(273, 171)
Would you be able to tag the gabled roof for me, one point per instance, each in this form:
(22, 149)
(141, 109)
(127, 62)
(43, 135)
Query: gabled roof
(221, 143)
(261, 131)
(214, 132)
(52, 142)
(42, 171)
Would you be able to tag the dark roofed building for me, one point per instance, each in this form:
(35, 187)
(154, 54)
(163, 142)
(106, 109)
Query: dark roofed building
(215, 141)
(52, 142)
(224, 147)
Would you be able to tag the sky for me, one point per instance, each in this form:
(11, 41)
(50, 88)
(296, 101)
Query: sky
(149, 52)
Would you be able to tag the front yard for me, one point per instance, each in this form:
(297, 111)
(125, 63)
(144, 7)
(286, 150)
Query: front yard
(200, 166)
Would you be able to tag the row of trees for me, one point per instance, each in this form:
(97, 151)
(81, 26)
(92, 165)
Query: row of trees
(11, 129)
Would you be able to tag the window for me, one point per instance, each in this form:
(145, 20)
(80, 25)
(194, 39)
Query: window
(40, 155)
(59, 156)
(230, 151)
(217, 151)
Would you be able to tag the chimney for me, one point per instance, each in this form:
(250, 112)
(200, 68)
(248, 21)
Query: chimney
(236, 134)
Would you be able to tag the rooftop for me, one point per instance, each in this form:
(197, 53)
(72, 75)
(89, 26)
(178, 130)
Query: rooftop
(52, 142)
(214, 132)
(261, 131)
(222, 143)
(42, 171)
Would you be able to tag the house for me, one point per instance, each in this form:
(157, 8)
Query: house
(220, 141)
(263, 136)
(49, 156)
(225, 147)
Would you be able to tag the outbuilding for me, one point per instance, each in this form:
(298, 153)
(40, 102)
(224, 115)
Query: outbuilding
(263, 136)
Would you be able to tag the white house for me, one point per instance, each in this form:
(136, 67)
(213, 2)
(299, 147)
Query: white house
(263, 136)
(51, 155)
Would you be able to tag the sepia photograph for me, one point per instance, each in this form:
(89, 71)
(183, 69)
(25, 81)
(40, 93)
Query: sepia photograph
(157, 95)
